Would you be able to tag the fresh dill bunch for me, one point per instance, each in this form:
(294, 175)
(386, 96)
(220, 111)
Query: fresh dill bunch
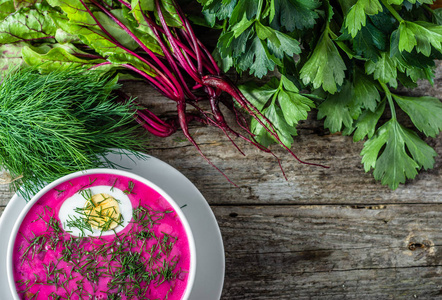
(57, 123)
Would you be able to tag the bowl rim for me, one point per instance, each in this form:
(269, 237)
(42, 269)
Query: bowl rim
(169, 199)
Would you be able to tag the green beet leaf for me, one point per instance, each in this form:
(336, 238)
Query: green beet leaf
(6, 8)
(58, 58)
(27, 25)
(11, 56)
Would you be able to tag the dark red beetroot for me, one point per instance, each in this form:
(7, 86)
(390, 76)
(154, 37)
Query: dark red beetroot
(184, 71)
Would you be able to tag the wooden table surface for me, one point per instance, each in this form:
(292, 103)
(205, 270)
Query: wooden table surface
(322, 234)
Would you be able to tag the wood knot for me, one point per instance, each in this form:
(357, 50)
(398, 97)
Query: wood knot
(412, 246)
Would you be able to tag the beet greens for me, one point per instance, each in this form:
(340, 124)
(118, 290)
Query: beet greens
(149, 38)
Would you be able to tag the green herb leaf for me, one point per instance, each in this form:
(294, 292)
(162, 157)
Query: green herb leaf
(325, 67)
(369, 42)
(284, 130)
(365, 92)
(425, 112)
(259, 96)
(422, 35)
(294, 14)
(393, 165)
(72, 119)
(356, 17)
(335, 109)
(383, 70)
(294, 106)
(281, 44)
(281, 102)
(399, 2)
(365, 125)
(257, 58)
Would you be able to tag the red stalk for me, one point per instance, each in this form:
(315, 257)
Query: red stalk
(225, 85)
(148, 51)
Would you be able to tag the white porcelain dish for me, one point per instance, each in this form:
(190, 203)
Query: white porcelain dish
(54, 184)
(209, 275)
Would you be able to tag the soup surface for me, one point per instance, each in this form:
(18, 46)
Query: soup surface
(146, 257)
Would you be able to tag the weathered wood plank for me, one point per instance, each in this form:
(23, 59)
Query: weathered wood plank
(398, 283)
(332, 252)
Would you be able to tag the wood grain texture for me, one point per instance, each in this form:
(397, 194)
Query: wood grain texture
(321, 234)
(332, 252)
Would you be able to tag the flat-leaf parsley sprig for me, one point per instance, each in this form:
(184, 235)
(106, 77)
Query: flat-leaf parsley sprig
(351, 55)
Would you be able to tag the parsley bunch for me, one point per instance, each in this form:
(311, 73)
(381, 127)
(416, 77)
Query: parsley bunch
(351, 55)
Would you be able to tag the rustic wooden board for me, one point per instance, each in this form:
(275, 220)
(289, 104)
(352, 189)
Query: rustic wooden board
(332, 252)
(321, 234)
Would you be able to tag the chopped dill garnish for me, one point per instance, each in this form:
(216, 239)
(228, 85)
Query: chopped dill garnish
(130, 187)
(132, 262)
(60, 191)
(113, 185)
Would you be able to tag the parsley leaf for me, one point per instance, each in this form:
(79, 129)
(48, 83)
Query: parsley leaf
(365, 92)
(325, 68)
(365, 125)
(335, 109)
(422, 35)
(393, 164)
(425, 113)
(356, 16)
(399, 2)
(384, 69)
(294, 14)
(256, 58)
(282, 104)
(384, 41)
(278, 42)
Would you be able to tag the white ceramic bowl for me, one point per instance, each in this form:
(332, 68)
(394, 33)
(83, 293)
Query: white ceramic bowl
(9, 267)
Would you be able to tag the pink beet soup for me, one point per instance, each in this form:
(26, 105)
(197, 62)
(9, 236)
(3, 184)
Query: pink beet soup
(148, 259)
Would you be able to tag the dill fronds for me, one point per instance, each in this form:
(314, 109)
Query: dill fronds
(61, 122)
